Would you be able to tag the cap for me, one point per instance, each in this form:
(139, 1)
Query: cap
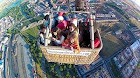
(74, 16)
(60, 18)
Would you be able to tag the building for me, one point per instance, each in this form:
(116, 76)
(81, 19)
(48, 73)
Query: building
(32, 1)
(136, 32)
(109, 19)
(136, 74)
(118, 32)
(106, 17)
(6, 23)
(122, 57)
(39, 10)
(129, 69)
(126, 60)
(95, 70)
(101, 72)
(135, 47)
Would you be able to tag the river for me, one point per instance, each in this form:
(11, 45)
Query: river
(16, 3)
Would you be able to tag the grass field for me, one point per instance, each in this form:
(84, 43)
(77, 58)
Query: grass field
(111, 44)
(137, 14)
(32, 33)
(134, 21)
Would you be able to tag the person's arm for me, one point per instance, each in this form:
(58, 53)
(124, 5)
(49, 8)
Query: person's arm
(59, 41)
(66, 44)
(42, 38)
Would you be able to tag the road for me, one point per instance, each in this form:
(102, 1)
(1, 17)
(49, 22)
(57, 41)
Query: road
(24, 58)
(11, 62)
(10, 66)
(8, 61)
(18, 61)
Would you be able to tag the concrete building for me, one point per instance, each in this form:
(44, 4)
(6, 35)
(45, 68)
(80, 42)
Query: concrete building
(101, 72)
(95, 70)
(6, 23)
(123, 57)
(129, 69)
(118, 32)
(32, 1)
(126, 60)
(135, 47)
(136, 32)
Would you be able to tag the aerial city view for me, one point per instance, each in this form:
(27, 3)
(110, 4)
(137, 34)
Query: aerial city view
(69, 38)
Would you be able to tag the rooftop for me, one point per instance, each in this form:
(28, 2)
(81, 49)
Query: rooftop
(123, 57)
(101, 72)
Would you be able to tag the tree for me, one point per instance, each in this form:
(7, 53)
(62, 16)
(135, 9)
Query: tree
(61, 68)
(73, 77)
(52, 68)
(73, 66)
(70, 66)
(56, 74)
(34, 45)
(48, 76)
(40, 54)
(31, 49)
(65, 67)
(61, 77)
(68, 75)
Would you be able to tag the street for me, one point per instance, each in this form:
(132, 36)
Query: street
(18, 61)
(8, 66)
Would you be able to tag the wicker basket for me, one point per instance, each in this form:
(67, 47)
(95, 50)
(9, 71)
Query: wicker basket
(61, 55)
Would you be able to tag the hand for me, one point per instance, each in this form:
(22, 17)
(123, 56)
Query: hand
(71, 48)
(71, 41)
(53, 39)
(55, 33)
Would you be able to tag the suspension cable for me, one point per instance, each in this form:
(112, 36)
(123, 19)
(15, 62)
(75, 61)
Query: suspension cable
(99, 8)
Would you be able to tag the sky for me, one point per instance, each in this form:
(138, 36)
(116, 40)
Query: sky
(137, 2)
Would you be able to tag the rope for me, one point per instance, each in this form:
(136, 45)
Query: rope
(99, 8)
(97, 12)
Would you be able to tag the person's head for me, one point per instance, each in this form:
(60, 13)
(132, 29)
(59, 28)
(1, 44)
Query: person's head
(46, 17)
(42, 27)
(73, 36)
(74, 21)
(60, 19)
(72, 27)
(54, 31)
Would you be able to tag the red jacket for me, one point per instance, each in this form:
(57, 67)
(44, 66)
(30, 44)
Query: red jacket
(75, 44)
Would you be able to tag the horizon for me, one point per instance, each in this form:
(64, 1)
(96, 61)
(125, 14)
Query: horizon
(137, 2)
